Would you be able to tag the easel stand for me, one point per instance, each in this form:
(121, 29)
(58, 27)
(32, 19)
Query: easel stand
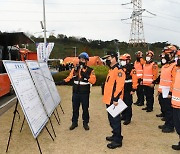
(14, 116)
(61, 108)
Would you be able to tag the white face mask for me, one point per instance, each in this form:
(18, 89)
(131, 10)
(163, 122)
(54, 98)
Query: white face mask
(123, 63)
(163, 61)
(148, 58)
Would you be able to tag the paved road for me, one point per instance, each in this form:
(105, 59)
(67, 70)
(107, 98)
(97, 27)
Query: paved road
(5, 104)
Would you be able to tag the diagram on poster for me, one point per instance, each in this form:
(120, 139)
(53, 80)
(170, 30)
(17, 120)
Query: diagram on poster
(27, 95)
(50, 82)
(41, 86)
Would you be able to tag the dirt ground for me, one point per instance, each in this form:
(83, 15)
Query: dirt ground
(141, 136)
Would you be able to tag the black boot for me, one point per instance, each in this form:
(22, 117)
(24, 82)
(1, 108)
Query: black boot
(114, 145)
(73, 126)
(176, 147)
(127, 122)
(109, 138)
(86, 127)
(159, 115)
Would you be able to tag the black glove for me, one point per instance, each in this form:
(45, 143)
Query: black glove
(84, 75)
(60, 83)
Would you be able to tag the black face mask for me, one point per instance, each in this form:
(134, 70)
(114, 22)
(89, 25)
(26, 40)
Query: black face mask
(178, 62)
(167, 57)
(82, 64)
(138, 59)
(108, 63)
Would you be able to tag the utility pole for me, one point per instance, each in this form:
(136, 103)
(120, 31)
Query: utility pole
(137, 29)
(44, 26)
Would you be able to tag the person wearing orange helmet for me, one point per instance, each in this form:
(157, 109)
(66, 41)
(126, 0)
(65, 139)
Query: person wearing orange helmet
(168, 62)
(130, 86)
(150, 72)
(175, 99)
(138, 65)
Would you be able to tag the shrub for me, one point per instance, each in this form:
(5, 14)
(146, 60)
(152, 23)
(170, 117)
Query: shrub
(100, 72)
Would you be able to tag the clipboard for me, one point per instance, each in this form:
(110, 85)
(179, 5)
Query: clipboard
(116, 110)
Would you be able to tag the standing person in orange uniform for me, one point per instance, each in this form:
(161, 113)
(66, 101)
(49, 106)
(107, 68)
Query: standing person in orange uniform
(130, 86)
(176, 99)
(82, 76)
(138, 65)
(113, 90)
(150, 73)
(165, 83)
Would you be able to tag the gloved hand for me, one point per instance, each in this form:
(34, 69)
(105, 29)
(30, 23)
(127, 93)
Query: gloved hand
(60, 83)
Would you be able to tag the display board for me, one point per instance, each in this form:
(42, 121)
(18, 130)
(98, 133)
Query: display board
(41, 86)
(27, 95)
(50, 82)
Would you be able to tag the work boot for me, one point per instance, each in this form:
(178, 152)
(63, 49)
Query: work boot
(86, 127)
(149, 110)
(136, 103)
(168, 130)
(176, 147)
(109, 138)
(114, 145)
(159, 115)
(127, 122)
(145, 108)
(163, 119)
(140, 104)
(73, 126)
(161, 126)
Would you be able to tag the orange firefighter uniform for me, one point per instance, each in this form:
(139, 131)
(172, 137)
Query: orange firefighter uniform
(138, 65)
(113, 90)
(150, 74)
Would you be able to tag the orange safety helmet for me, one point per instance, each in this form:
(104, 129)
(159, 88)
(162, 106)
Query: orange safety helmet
(169, 49)
(123, 57)
(150, 52)
(128, 56)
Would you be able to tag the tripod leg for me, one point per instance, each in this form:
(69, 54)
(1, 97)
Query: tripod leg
(52, 127)
(39, 146)
(61, 108)
(22, 124)
(12, 126)
(49, 133)
(56, 118)
(58, 115)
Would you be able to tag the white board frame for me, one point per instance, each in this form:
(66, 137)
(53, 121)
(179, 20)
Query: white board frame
(19, 93)
(41, 86)
(50, 82)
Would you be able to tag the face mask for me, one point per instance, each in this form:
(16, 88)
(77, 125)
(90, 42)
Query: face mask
(178, 62)
(138, 59)
(176, 58)
(163, 61)
(82, 64)
(108, 62)
(148, 58)
(167, 57)
(123, 63)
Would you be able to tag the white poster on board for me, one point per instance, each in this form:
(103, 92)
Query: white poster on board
(50, 82)
(41, 86)
(27, 95)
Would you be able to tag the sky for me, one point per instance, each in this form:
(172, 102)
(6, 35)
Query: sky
(93, 19)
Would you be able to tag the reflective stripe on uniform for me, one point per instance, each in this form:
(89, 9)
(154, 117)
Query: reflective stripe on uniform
(81, 83)
(176, 98)
(128, 81)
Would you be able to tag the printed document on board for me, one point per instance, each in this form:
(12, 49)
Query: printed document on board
(116, 110)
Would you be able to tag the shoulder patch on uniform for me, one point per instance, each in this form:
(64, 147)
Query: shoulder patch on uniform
(120, 74)
(134, 72)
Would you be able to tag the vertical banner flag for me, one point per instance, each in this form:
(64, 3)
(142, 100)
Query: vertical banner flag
(42, 54)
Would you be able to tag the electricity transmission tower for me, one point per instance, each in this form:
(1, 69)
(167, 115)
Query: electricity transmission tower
(137, 29)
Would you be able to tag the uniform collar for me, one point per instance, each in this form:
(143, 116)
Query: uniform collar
(114, 66)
